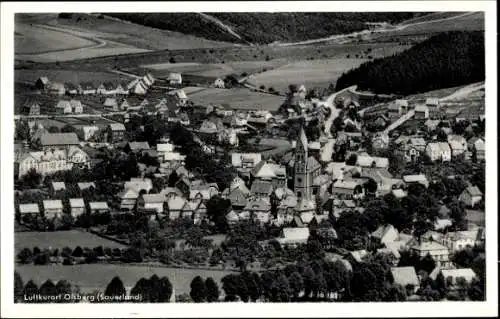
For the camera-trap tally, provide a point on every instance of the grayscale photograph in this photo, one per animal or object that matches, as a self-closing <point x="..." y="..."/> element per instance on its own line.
<point x="249" y="157"/>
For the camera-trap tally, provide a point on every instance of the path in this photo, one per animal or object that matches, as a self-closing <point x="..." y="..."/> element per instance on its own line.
<point x="463" y="92"/>
<point x="222" y="25"/>
<point x="379" y="30"/>
<point x="329" y="103"/>
<point x="400" y="121"/>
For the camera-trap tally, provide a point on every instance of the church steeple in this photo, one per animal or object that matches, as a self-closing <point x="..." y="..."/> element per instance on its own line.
<point x="301" y="178"/>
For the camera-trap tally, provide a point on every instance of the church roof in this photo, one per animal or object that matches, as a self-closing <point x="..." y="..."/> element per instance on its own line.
<point x="303" y="137"/>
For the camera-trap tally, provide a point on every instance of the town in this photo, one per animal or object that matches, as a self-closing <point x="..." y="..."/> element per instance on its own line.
<point x="331" y="195"/>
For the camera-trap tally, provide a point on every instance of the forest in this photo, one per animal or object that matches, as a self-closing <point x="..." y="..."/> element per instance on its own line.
<point x="444" y="60"/>
<point x="263" y="28"/>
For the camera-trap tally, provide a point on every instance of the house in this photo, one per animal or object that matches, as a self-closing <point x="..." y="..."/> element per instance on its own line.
<point x="397" y="109"/>
<point x="274" y="173"/>
<point x="406" y="277"/>
<point x="442" y="223"/>
<point x="128" y="199"/>
<point x="471" y="196"/>
<point x="292" y="237"/>
<point x="56" y="88"/>
<point x="174" y="78"/>
<point x="77" y="206"/>
<point x="219" y="83"/>
<point x="357" y="256"/>
<point x="87" y="132"/>
<point x="438" y="252"/>
<point x="42" y="83"/>
<point x="151" y="202"/>
<point x="179" y="98"/>
<point x="433" y="104"/>
<point x="238" y="198"/>
<point x="261" y="188"/>
<point x="52" y="208"/>
<point x="71" y="89"/>
<point x="124" y="105"/>
<point x="451" y="277"/>
<point x="245" y="161"/>
<point x="381" y="121"/>
<point x="76" y="106"/>
<point x="111" y="103"/>
<point x="116" y="132"/>
<point x="174" y="206"/>
<point x="63" y="107"/>
<point x="58" y="140"/>
<point x="137" y="147"/>
<point x="432" y="124"/>
<point x="418" y="143"/>
<point x="386" y="234"/>
<point x="98" y="207"/>
<point x="409" y="152"/>
<point x="438" y="151"/>
<point x="31" y="107"/>
<point x="372" y="161"/>
<point x="421" y="112"/>
<point x="139" y="184"/>
<point x="228" y="136"/>
<point x="57" y="186"/>
<point x="50" y="161"/>
<point x="31" y="209"/>
<point x="380" y="141"/>
<point x="477" y="146"/>
<point x="458" y="144"/>
<point x="232" y="218"/>
<point x="106" y="88"/>
<point x="85" y="185"/>
<point x="416" y="179"/>
<point x="137" y="87"/>
<point x="349" y="189"/>
<point x="460" y="240"/>
<point x="87" y="88"/>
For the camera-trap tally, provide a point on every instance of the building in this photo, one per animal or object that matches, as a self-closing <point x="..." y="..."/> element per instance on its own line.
<point x="380" y="141"/>
<point x="460" y="240"/>
<point x="50" y="161"/>
<point x="451" y="277"/>
<point x="111" y="103"/>
<point x="42" y="83"/>
<point x="306" y="168"/>
<point x="421" y="112"/>
<point x="433" y="105"/>
<point x="174" y="78"/>
<point x="137" y="147"/>
<point x="174" y="206"/>
<point x="56" y="88"/>
<point x="245" y="161"/>
<point x="87" y="132"/>
<point x="63" y="107"/>
<point x="57" y="186"/>
<point x="349" y="189"/>
<point x="219" y="83"/>
<point x="471" y="196"/>
<point x="30" y="209"/>
<point x="76" y="106"/>
<point x="137" y="87"/>
<point x="397" y="109"/>
<point x="31" y="107"/>
<point x="438" y="252"/>
<point x="477" y="146"/>
<point x="386" y="234"/>
<point x="77" y="206"/>
<point x="128" y="199"/>
<point x="99" y="207"/>
<point x="372" y="161"/>
<point x="58" y="140"/>
<point x="52" y="208"/>
<point x="409" y="152"/>
<point x="85" y="185"/>
<point x="116" y="132"/>
<point x="269" y="172"/>
<point x="293" y="236"/>
<point x="458" y="144"/>
<point x="416" y="179"/>
<point x="438" y="151"/>
<point x="406" y="277"/>
<point x="178" y="97"/>
<point x="151" y="202"/>
<point x="139" y="184"/>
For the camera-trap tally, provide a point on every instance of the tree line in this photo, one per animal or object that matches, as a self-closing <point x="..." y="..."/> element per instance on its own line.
<point x="444" y="60"/>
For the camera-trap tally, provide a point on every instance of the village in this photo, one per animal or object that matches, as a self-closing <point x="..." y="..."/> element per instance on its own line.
<point x="141" y="164"/>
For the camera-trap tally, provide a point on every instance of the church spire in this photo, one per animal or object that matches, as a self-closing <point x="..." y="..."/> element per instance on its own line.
<point x="302" y="139"/>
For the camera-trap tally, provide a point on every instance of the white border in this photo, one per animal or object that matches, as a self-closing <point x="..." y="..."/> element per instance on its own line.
<point x="451" y="309"/>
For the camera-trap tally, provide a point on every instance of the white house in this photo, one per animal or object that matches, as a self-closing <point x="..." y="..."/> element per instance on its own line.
<point x="386" y="234"/>
<point x="471" y="196"/>
<point x="293" y="236"/>
<point x="219" y="83"/>
<point x="174" y="78"/>
<point x="438" y="151"/>
<point x="458" y="144"/>
<point x="152" y="202"/>
<point x="77" y="206"/>
<point x="406" y="276"/>
<point x="52" y="208"/>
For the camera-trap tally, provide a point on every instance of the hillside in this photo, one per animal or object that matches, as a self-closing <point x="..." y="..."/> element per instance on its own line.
<point x="444" y="60"/>
<point x="262" y="28"/>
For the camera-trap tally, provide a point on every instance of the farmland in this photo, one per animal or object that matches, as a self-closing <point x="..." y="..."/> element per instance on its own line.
<point x="243" y="99"/>
<point x="92" y="277"/>
<point x="68" y="76"/>
<point x="310" y="73"/>
<point x="61" y="239"/>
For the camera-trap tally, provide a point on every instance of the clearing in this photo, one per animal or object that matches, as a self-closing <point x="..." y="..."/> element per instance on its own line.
<point x="61" y="239"/>
<point x="242" y="99"/>
<point x="92" y="277"/>
<point x="310" y="73"/>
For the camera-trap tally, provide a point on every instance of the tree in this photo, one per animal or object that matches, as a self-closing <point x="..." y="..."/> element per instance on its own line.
<point x="212" y="290"/>
<point x="427" y="263"/>
<point x="458" y="215"/>
<point x="18" y="287"/>
<point x="78" y="252"/>
<point x="280" y="289"/>
<point x="166" y="289"/>
<point x="198" y="292"/>
<point x="54" y="129"/>
<point x="25" y="256"/>
<point x="31" y="179"/>
<point x="30" y="289"/>
<point x="63" y="287"/>
<point x="115" y="288"/>
<point x="68" y="129"/>
<point x="48" y="289"/>
<point x="296" y="284"/>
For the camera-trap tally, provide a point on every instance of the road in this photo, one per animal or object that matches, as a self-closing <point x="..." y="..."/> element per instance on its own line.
<point x="222" y="25"/>
<point x="382" y="29"/>
<point x="329" y="103"/>
<point x="463" y="92"/>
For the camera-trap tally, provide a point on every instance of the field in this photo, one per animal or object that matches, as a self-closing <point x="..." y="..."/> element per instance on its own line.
<point x="60" y="239"/>
<point x="68" y="76"/>
<point x="310" y="73"/>
<point x="432" y="16"/>
<point x="97" y="276"/>
<point x="243" y="99"/>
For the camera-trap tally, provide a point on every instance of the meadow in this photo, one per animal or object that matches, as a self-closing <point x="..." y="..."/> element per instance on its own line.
<point x="92" y="277"/>
<point x="242" y="99"/>
<point x="68" y="76"/>
<point x="60" y="239"/>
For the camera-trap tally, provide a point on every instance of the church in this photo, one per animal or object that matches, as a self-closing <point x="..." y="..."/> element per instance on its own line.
<point x="305" y="168"/>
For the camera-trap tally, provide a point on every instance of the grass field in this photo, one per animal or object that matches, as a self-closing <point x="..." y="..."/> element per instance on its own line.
<point x="310" y="73"/>
<point x="432" y="16"/>
<point x="97" y="276"/>
<point x="68" y="76"/>
<point x="60" y="239"/>
<point x="243" y="99"/>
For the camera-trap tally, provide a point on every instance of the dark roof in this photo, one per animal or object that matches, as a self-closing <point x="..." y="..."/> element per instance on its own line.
<point x="261" y="187"/>
<point x="59" y="139"/>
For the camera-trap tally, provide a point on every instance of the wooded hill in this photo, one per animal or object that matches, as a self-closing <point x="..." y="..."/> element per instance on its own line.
<point x="262" y="28"/>
<point x="444" y="60"/>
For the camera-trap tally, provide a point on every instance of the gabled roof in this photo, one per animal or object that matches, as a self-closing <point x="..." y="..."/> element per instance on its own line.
<point x="43" y="79"/>
<point x="432" y="101"/>
<point x="110" y="102"/>
<point x="346" y="184"/>
<point x="295" y="233"/>
<point x="473" y="191"/>
<point x="63" y="104"/>
<point x="76" y="202"/>
<point x="176" y="203"/>
<point x="29" y="208"/>
<point x="428" y="246"/>
<point x="405" y="276"/>
<point x="421" y="108"/>
<point x="117" y="127"/>
<point x="138" y="146"/>
<point x="58" y="186"/>
<point x="467" y="273"/>
<point x="358" y="255"/>
<point x="305" y="205"/>
<point x="52" y="204"/>
<point x="98" y="205"/>
<point x="59" y="139"/>
<point x="153" y="198"/>
<point x="420" y="178"/>
<point x="257" y="205"/>
<point x="383" y="230"/>
<point x="237" y="197"/>
<point x="261" y="187"/>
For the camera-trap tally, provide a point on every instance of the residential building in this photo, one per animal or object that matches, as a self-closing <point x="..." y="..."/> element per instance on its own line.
<point x="76" y="106"/>
<point x="438" y="252"/>
<point x="128" y="198"/>
<point x="98" y="207"/>
<point x="56" y="88"/>
<point x="137" y="147"/>
<point x="477" y="146"/>
<point x="397" y="109"/>
<point x="139" y="184"/>
<point x="85" y="185"/>
<point x="365" y="160"/>
<point x="421" y="112"/>
<point x="111" y="103"/>
<point x="292" y="237"/>
<point x="58" y="140"/>
<point x="433" y="106"/>
<point x="174" y="206"/>
<point x="416" y="179"/>
<point x="57" y="186"/>
<point x="52" y="208"/>
<point x="386" y="234"/>
<point x="471" y="196"/>
<point x="219" y="83"/>
<point x="348" y="189"/>
<point x="137" y="87"/>
<point x="451" y="277"/>
<point x="151" y="202"/>
<point x="380" y="141"/>
<point x="30" y="209"/>
<point x="77" y="206"/>
<point x="460" y="240"/>
<point x="87" y="132"/>
<point x="116" y="132"/>
<point x="406" y="277"/>
<point x="269" y="172"/>
<point x="63" y="107"/>
<point x="179" y="98"/>
<point x="87" y="88"/>
<point x="42" y="83"/>
<point x="458" y="144"/>
<point x="438" y="151"/>
<point x="31" y="107"/>
<point x="174" y="78"/>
